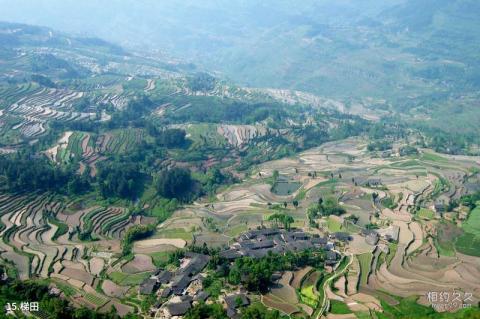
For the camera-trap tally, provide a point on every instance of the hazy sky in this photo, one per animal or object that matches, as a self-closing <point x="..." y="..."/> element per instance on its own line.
<point x="131" y="21"/>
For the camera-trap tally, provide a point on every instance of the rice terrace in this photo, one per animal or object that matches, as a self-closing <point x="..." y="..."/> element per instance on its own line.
<point x="188" y="159"/>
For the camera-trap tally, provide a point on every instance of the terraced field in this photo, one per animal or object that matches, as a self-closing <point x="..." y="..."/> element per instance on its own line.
<point x="469" y="242"/>
<point x="35" y="107"/>
<point x="283" y="296"/>
<point x="88" y="149"/>
<point x="412" y="266"/>
<point x="38" y="246"/>
<point x="40" y="236"/>
<point x="238" y="135"/>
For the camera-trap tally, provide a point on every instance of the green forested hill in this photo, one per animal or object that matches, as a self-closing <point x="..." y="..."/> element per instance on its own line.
<point x="420" y="56"/>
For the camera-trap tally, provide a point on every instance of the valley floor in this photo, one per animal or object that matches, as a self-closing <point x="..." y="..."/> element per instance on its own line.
<point x="395" y="249"/>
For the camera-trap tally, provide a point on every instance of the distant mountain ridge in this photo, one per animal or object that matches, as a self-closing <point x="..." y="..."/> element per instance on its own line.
<point x="345" y="48"/>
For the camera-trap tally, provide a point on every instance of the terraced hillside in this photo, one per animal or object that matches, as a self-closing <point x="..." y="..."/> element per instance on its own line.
<point x="87" y="149"/>
<point x="116" y="167"/>
<point x="40" y="236"/>
<point x="347" y="171"/>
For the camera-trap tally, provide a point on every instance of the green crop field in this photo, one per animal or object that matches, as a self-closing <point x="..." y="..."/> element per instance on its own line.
<point x="333" y="225"/>
<point x="392" y="249"/>
<point x="338" y="307"/>
<point x="159" y="258"/>
<point x="66" y="288"/>
<point x="235" y="231"/>
<point x="124" y="279"/>
<point x="205" y="135"/>
<point x="409" y="308"/>
<point x="433" y="158"/>
<point x="95" y="299"/>
<point x="445" y="248"/>
<point x="175" y="233"/>
<point x="472" y="224"/>
<point x="365" y="261"/>
<point x="307" y="296"/>
<point x="307" y="290"/>
<point x="425" y="213"/>
<point x="469" y="242"/>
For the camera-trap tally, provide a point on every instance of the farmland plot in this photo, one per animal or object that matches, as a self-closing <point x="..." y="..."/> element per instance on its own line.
<point x="44" y="105"/>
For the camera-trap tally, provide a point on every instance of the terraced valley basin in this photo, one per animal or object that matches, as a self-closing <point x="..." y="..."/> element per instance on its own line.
<point x="240" y="159"/>
<point x="406" y="248"/>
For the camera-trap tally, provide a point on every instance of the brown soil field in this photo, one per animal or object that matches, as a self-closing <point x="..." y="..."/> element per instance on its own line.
<point x="212" y="239"/>
<point x="283" y="290"/>
<point x="20" y="261"/>
<point x="121" y="309"/>
<point x="140" y="263"/>
<point x="272" y="302"/>
<point x="79" y="275"/>
<point x="111" y="289"/>
<point x="149" y="243"/>
<point x="416" y="229"/>
<point x="340" y="286"/>
<point x="96" y="265"/>
<point x="337" y="316"/>
<point x="298" y="276"/>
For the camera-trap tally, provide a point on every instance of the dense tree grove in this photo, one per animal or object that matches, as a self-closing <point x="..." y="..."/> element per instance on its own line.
<point x="256" y="274"/>
<point x="122" y="180"/>
<point x="216" y="311"/>
<point x="175" y="183"/>
<point x="408" y="150"/>
<point x="136" y="232"/>
<point x="470" y="200"/>
<point x="171" y="138"/>
<point x="216" y="110"/>
<point x="447" y="142"/>
<point x="258" y="311"/>
<point x="132" y="114"/>
<point x="379" y="145"/>
<point x="326" y="207"/>
<point x="314" y="136"/>
<point x="283" y="219"/>
<point x="27" y="172"/>
<point x="201" y="82"/>
<point x="204" y="311"/>
<point x="214" y="178"/>
<point x="43" y="80"/>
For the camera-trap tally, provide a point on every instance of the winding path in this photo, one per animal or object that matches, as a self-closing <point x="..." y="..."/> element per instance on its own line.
<point x="326" y="302"/>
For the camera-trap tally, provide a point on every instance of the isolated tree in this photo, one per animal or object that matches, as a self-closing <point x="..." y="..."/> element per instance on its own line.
<point x="274" y="218"/>
<point x="280" y="218"/>
<point x="287" y="221"/>
<point x="295" y="203"/>
<point x="275" y="175"/>
<point x="285" y="204"/>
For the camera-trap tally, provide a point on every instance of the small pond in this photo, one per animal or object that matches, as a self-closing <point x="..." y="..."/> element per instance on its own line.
<point x="284" y="187"/>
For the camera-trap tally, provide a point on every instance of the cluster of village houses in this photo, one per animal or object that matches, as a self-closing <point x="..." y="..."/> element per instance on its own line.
<point x="180" y="290"/>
